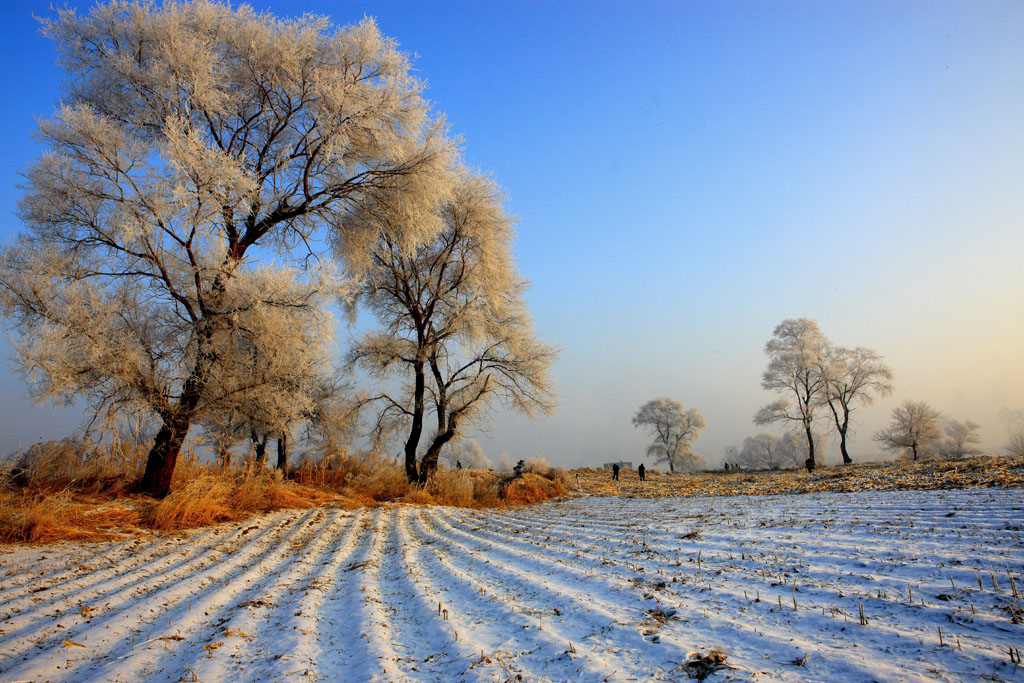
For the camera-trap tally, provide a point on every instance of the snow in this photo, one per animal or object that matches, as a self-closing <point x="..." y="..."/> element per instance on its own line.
<point x="589" y="589"/>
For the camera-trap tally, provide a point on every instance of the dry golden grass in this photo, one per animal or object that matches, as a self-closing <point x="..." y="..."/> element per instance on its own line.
<point x="42" y="518"/>
<point x="71" y="490"/>
<point x="229" y="496"/>
<point x="53" y="466"/>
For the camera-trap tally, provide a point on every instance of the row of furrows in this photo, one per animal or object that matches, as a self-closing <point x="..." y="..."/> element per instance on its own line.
<point x="818" y="589"/>
<point x="823" y="595"/>
<point x="184" y="596"/>
<point x="94" y="564"/>
<point x="158" y="562"/>
<point x="828" y="549"/>
<point x="508" y="615"/>
<point x="610" y="619"/>
<point x="275" y="634"/>
<point x="323" y="592"/>
<point x="230" y="621"/>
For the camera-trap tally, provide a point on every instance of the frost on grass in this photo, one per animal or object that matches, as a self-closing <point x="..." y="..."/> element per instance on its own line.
<point x="899" y="585"/>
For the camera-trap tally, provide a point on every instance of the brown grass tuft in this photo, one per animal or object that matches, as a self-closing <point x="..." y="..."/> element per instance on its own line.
<point x="59" y="517"/>
<point x="213" y="498"/>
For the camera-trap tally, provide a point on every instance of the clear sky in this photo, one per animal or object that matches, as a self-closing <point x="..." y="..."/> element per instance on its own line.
<point x="688" y="174"/>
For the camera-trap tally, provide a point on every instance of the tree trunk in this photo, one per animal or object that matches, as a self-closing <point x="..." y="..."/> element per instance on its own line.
<point x="260" y="447"/>
<point x="842" y="449"/>
<point x="282" y="453"/>
<point x="429" y="463"/>
<point x="162" y="458"/>
<point x="156" y="481"/>
<point x="810" y="446"/>
<point x="842" y="426"/>
<point x="412" y="443"/>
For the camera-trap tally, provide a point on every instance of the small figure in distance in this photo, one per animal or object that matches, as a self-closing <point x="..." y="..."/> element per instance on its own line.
<point x="615" y="472"/>
<point x="809" y="464"/>
<point x="726" y="467"/>
<point x="458" y="464"/>
<point x="642" y="471"/>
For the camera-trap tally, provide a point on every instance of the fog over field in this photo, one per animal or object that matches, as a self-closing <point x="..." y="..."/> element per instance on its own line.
<point x="685" y="176"/>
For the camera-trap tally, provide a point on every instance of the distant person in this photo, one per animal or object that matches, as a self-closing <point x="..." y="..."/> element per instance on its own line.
<point x="615" y="472"/>
<point x="642" y="471"/>
<point x="726" y="467"/>
<point x="458" y="464"/>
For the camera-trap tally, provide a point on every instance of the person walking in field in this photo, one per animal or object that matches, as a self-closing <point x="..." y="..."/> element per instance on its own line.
<point x="642" y="472"/>
<point x="615" y="472"/>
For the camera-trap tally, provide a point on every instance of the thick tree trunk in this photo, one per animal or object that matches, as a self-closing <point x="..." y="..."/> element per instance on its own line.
<point x="156" y="481"/>
<point x="429" y="463"/>
<point x="162" y="458"/>
<point x="413" y="442"/>
<point x="842" y="448"/>
<point x="282" y="453"/>
<point x="260" y="448"/>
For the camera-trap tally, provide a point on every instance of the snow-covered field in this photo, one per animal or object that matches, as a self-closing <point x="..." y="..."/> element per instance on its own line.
<point x="589" y="589"/>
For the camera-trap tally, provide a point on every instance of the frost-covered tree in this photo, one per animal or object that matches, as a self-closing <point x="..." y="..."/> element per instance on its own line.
<point x="961" y="439"/>
<point x="1014" y="420"/>
<point x="469" y="454"/>
<point x="674" y="429"/>
<point x="192" y="134"/>
<point x="796" y="353"/>
<point x="913" y="432"/>
<point x="454" y="326"/>
<point x="771" y="452"/>
<point x="852" y="377"/>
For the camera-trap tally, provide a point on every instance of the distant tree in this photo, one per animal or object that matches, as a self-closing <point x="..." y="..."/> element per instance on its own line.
<point x="770" y="452"/>
<point x="454" y="324"/>
<point x="913" y="432"/>
<point x="796" y="353"/>
<point x="852" y="377"/>
<point x="674" y="430"/>
<point x="470" y="454"/>
<point x="193" y="137"/>
<point x="1014" y="420"/>
<point x="961" y="440"/>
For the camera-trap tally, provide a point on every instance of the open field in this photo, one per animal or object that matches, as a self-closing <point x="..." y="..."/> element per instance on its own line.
<point x="586" y="589"/>
<point x="952" y="473"/>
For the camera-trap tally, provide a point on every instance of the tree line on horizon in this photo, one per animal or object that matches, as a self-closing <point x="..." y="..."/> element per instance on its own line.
<point x="819" y="381"/>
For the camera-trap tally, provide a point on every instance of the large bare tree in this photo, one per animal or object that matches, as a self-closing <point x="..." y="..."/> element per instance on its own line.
<point x="192" y="134"/>
<point x="674" y="429"/>
<point x="795" y="367"/>
<point x="455" y="329"/>
<point x="852" y="377"/>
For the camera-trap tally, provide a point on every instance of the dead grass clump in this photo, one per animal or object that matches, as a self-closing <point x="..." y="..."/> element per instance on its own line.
<point x="388" y="482"/>
<point x="531" y="488"/>
<point x="76" y="464"/>
<point x="342" y="469"/>
<point x="39" y="518"/>
<point x="222" y="497"/>
<point x="540" y="466"/>
<point x="452" y="488"/>
<point x="700" y="666"/>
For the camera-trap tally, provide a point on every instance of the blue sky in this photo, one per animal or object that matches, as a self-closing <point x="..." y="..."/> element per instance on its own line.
<point x="687" y="175"/>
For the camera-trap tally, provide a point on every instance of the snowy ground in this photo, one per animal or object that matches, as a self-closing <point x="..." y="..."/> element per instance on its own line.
<point x="590" y="589"/>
